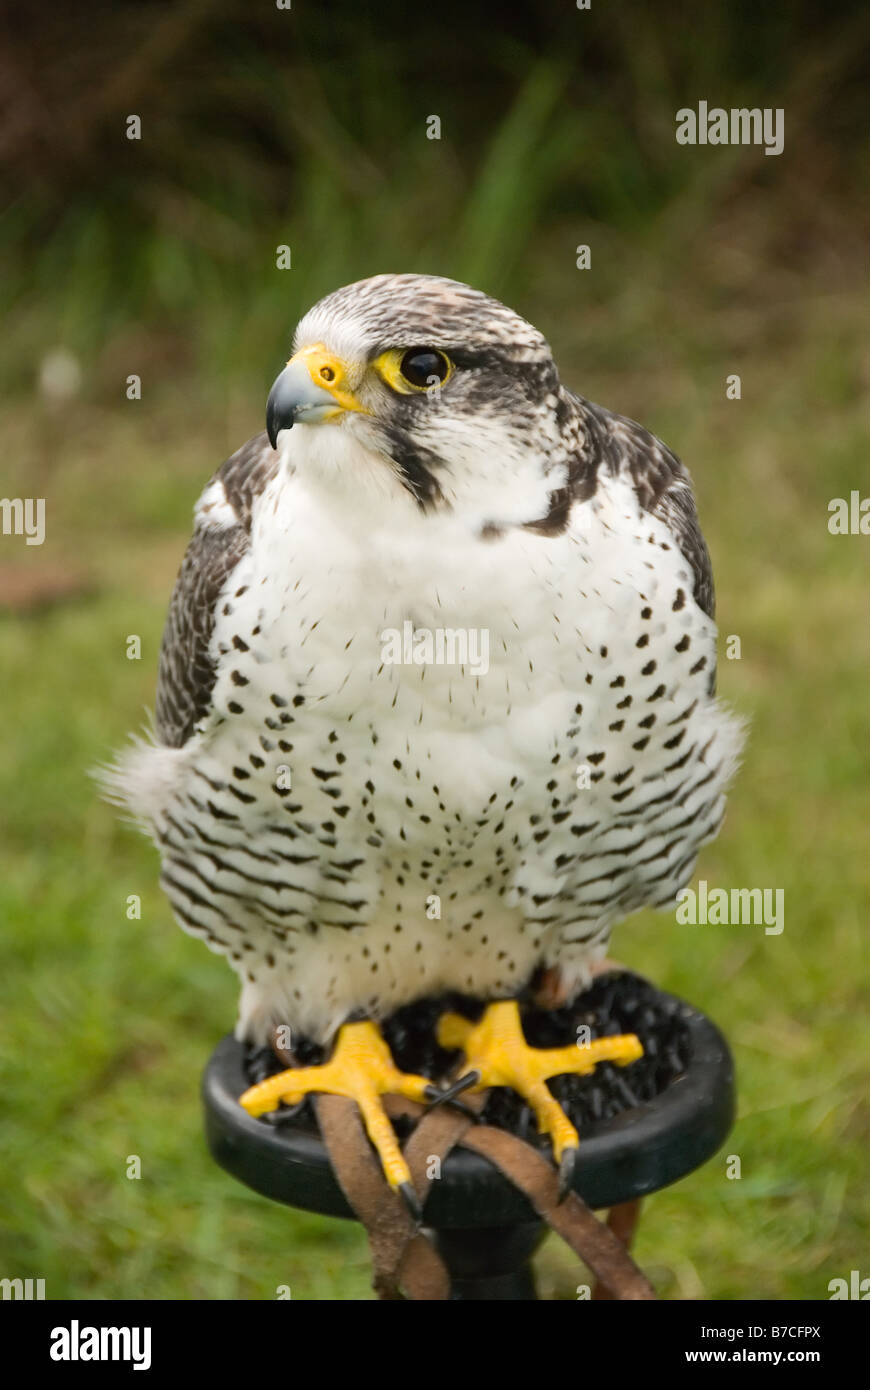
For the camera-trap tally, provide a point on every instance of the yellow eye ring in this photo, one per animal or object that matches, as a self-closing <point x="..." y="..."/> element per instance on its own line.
<point x="414" y="371"/>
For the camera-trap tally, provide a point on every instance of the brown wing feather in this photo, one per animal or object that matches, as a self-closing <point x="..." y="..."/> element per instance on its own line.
<point x="186" y="673"/>
<point x="663" y="487"/>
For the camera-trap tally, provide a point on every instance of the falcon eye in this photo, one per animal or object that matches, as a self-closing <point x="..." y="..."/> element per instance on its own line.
<point x="424" y="368"/>
<point x="411" y="370"/>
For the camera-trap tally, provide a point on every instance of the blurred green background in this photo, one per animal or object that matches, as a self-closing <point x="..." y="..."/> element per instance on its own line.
<point x="157" y="257"/>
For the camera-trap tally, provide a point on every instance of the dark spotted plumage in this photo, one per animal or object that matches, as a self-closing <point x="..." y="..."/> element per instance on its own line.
<point x="355" y="829"/>
<point x="662" y="486"/>
<point x="187" y="669"/>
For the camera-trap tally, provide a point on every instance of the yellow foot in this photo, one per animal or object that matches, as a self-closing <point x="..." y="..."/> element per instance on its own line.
<point x="362" y="1069"/>
<point x="497" y="1054"/>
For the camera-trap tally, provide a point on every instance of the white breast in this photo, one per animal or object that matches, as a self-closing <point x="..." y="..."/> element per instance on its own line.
<point x="415" y="780"/>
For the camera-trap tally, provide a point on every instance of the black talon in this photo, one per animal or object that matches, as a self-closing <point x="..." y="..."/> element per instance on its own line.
<point x="567" y="1169"/>
<point x="459" y="1105"/>
<point x="286" y="1113"/>
<point x="448" y="1096"/>
<point x="412" y="1202"/>
<point x="456" y="1088"/>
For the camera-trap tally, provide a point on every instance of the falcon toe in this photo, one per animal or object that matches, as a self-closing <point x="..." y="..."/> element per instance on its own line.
<point x="497" y="1054"/>
<point x="361" y="1068"/>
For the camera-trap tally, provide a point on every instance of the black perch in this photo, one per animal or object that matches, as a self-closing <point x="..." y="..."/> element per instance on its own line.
<point x="641" y="1127"/>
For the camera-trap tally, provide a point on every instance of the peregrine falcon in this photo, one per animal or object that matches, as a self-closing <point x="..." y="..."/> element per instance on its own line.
<point x="349" y="808"/>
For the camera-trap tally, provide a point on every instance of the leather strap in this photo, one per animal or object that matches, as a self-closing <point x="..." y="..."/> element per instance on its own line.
<point x="404" y="1261"/>
<point x="576" y="1223"/>
<point x="399" y="1251"/>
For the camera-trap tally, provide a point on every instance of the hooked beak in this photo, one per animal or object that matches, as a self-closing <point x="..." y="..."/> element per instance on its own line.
<point x="312" y="387"/>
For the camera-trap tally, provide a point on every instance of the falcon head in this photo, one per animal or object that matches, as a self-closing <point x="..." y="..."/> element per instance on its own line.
<point x="415" y="386"/>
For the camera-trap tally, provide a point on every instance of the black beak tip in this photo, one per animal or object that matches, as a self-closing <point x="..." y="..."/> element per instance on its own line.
<point x="278" y="417"/>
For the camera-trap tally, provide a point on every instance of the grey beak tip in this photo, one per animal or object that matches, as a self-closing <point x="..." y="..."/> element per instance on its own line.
<point x="278" y="416"/>
<point x="294" y="397"/>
